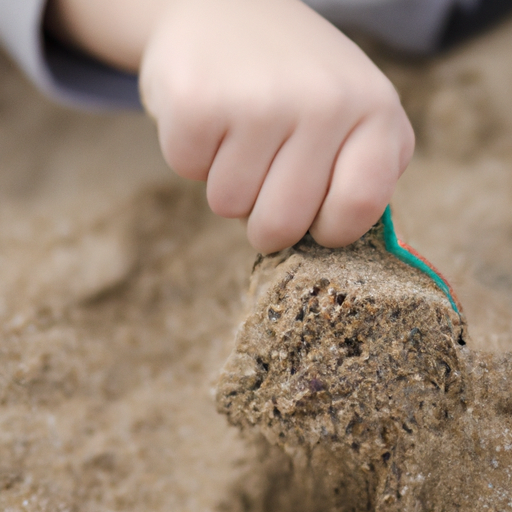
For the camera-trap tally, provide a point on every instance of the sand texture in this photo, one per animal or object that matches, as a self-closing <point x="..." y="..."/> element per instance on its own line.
<point x="120" y="295"/>
<point x="358" y="367"/>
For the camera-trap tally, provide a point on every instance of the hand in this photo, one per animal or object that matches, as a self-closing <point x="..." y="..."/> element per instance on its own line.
<point x="288" y="121"/>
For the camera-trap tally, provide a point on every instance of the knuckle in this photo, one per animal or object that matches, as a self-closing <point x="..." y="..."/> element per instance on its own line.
<point x="386" y="97"/>
<point x="179" y="158"/>
<point x="257" y="106"/>
<point x="334" y="96"/>
<point x="191" y="104"/>
<point x="409" y="142"/>
<point x="190" y="96"/>
<point x="262" y="104"/>
<point x="328" y="102"/>
<point x="186" y="127"/>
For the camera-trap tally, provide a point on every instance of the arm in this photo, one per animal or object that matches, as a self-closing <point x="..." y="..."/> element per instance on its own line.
<point x="113" y="31"/>
<point x="287" y="120"/>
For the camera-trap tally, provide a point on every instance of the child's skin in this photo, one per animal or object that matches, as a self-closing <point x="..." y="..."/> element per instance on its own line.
<point x="289" y="122"/>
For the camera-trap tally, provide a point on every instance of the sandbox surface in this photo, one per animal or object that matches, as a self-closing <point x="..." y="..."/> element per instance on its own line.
<point x="120" y="292"/>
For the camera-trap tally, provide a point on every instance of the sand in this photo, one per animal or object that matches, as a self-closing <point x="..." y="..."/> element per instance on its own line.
<point x="120" y="292"/>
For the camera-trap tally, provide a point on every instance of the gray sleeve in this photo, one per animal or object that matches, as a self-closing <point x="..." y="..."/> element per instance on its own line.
<point x="411" y="25"/>
<point x="64" y="75"/>
<point x="75" y="79"/>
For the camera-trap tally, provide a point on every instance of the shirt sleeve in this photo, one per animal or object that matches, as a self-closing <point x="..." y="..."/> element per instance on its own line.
<point x="413" y="26"/>
<point x="66" y="76"/>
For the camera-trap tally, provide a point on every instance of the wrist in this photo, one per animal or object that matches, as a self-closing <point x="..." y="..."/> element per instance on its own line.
<point x="113" y="31"/>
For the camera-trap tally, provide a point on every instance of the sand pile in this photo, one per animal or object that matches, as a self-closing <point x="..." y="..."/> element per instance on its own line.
<point x="359" y="367"/>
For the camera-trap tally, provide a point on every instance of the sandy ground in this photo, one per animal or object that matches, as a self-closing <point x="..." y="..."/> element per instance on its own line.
<point x="120" y="292"/>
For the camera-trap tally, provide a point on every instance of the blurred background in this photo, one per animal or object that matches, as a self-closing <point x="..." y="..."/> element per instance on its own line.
<point x="120" y="292"/>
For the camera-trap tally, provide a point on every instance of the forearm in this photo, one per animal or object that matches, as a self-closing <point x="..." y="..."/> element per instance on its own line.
<point x="114" y="31"/>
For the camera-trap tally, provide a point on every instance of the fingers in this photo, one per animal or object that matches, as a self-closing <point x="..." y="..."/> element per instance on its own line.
<point x="241" y="163"/>
<point x="290" y="176"/>
<point x="369" y="164"/>
<point x="293" y="189"/>
<point x="295" y="137"/>
<point x="332" y="178"/>
<point x="190" y="134"/>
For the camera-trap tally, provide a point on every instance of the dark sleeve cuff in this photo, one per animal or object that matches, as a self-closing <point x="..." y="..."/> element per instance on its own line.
<point x="66" y="76"/>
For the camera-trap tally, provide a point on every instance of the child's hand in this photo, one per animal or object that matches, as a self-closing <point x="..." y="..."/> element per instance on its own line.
<point x="287" y="120"/>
